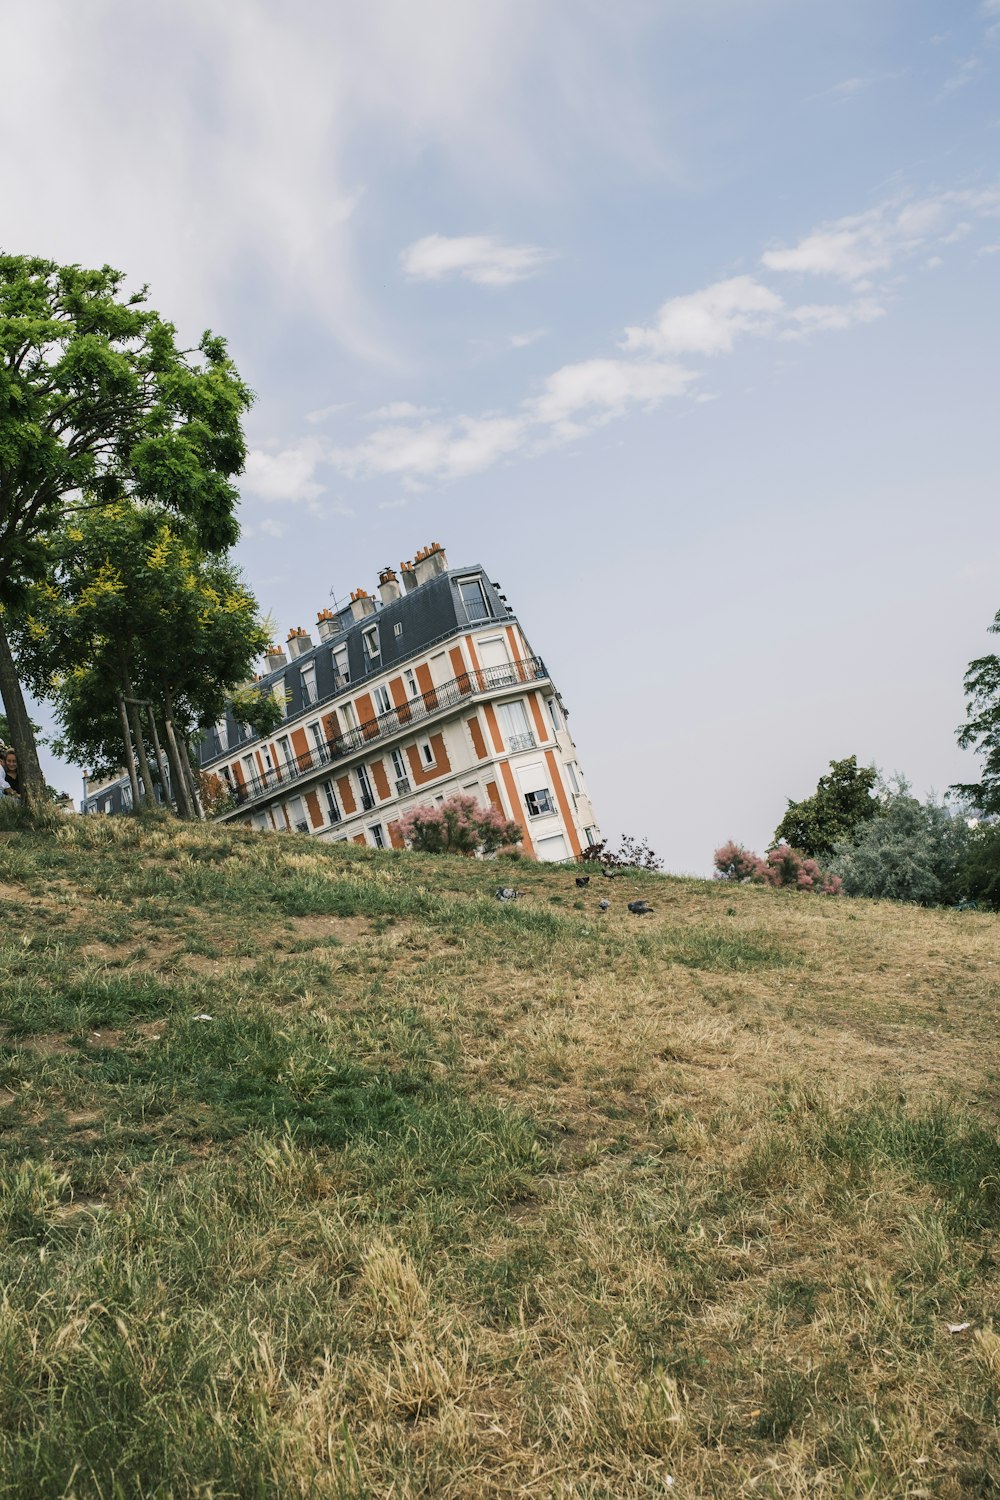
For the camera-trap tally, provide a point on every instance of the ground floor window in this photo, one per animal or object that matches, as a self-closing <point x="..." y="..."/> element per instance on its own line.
<point x="378" y="835"/>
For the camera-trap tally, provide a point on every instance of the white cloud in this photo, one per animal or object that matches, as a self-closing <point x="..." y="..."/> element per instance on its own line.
<point x="822" y="317"/>
<point x="398" y="411"/>
<point x="324" y="412"/>
<point x="708" y="321"/>
<point x="285" y="475"/>
<point x="854" y="249"/>
<point x="522" y="340"/>
<point x="435" y="450"/>
<point x="963" y="75"/>
<point x="603" y="388"/>
<point x="475" y="257"/>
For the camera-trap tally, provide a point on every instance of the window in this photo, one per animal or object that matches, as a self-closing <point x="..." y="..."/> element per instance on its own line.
<point x="318" y="738"/>
<point x="539" y="802"/>
<point x="412" y="691"/>
<point x="398" y="764"/>
<point x="591" y="835"/>
<point x="397" y="629"/>
<point x="427" y="753"/>
<point x="571" y="773"/>
<point x="383" y="703"/>
<point x="309" y="694"/>
<point x="474" y="599"/>
<point x="127" y="798"/>
<point x="249" y="769"/>
<point x="365" y="786"/>
<point x="341" y="665"/>
<point x="286" y="751"/>
<point x="227" y="776"/>
<point x="370" y="638"/>
<point x="332" y="805"/>
<point x="259" y="822"/>
<point x="278" y="689"/>
<point x="514" y="723"/>
<point x="297" y="815"/>
<point x="222" y="734"/>
<point x="350" y="717"/>
<point x="551" y="705"/>
<point x="378" y="835"/>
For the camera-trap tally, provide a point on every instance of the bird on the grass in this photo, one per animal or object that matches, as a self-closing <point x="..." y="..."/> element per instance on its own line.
<point x="507" y="893"/>
<point x="608" y="874"/>
<point x="640" y="908"/>
<point x="582" y="880"/>
<point x="604" y="903"/>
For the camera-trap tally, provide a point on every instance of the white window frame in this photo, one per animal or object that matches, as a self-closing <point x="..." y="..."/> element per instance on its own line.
<point x="364" y="782"/>
<point x="474" y="581"/>
<point x="370" y="639"/>
<point x="554" y="714"/>
<point x="412" y="689"/>
<point x="399" y="765"/>
<point x="516" y="739"/>
<point x="378" y="836"/>
<point x="318" y="737"/>
<point x="574" y="780"/>
<point x="381" y="699"/>
<point x="341" y="662"/>
<point x="427" y="756"/>
<point x="332" y="805"/>
<point x="310" y="692"/>
<point x="538" y="811"/>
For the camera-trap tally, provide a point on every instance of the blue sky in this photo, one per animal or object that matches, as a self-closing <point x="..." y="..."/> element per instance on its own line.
<point x="680" y="317"/>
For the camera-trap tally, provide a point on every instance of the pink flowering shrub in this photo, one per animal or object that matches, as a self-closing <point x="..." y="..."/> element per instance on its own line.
<point x="457" y="826"/>
<point x="733" y="862"/>
<point x="783" y="868"/>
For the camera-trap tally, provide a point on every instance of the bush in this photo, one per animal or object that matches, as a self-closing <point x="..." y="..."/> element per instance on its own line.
<point x="783" y="867"/>
<point x="916" y="851"/>
<point x="631" y="854"/>
<point x="457" y="826"/>
<point x="979" y="873"/>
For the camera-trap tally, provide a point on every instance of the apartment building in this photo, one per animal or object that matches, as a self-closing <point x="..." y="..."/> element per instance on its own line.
<point x="427" y="689"/>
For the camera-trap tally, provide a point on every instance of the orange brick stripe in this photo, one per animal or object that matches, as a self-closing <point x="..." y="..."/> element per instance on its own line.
<point x="380" y="779"/>
<point x="346" y="795"/>
<point x="563" y="801"/>
<point x="543" y="733"/>
<point x="494" y="728"/>
<point x="478" y="743"/>
<point x="315" y="816"/>
<point x="515" y="802"/>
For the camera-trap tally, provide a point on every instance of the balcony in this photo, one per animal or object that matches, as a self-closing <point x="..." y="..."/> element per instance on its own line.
<point x="524" y="741"/>
<point x="397" y="721"/>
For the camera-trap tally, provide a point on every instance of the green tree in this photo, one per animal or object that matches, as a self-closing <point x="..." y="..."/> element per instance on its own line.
<point x="981" y="731"/>
<point x="98" y="403"/>
<point x="915" y="851"/>
<point x="841" y="801"/>
<point x="132" y="612"/>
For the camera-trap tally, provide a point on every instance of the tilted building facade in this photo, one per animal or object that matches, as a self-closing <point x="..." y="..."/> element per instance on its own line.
<point x="431" y="688"/>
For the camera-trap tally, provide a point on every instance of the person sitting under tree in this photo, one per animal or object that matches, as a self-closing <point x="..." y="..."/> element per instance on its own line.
<point x="11" y="786"/>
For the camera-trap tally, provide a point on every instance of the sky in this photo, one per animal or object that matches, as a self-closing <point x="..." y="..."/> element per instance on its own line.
<point x="680" y="317"/>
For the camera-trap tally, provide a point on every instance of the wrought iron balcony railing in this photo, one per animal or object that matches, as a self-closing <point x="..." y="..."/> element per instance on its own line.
<point x="397" y="721"/>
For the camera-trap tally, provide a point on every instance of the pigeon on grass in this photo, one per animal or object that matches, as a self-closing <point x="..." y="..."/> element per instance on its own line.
<point x="507" y="893"/>
<point x="582" y="880"/>
<point x="604" y="904"/>
<point x="608" y="874"/>
<point x="640" y="908"/>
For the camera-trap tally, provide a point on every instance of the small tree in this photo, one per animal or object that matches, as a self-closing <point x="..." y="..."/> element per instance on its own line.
<point x="783" y="868"/>
<point x="981" y="731"/>
<point x="458" y="825"/>
<point x="842" y="800"/>
<point x="733" y="862"/>
<point x="916" y="851"/>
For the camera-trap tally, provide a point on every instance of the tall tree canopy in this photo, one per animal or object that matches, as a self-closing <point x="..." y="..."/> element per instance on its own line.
<point x="842" y="799"/>
<point x="981" y="731"/>
<point x="131" y="609"/>
<point x="99" y="404"/>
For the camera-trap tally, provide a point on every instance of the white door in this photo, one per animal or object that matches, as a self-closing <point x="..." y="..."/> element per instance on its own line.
<point x="551" y="848"/>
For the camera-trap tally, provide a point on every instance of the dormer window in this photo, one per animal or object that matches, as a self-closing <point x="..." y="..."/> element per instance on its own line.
<point x="341" y="664"/>
<point x="309" y="683"/>
<point x="370" y="638"/>
<point x="474" y="598"/>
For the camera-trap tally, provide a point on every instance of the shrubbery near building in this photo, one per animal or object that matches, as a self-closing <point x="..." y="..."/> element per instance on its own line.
<point x="782" y="867"/>
<point x="458" y="825"/>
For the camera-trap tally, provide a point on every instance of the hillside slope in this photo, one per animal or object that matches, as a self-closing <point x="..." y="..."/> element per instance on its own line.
<point x="326" y="1174"/>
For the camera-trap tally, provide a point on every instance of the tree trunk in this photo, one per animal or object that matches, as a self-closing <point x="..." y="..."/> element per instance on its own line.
<point x="29" y="772"/>
<point x="193" y="781"/>
<point x="177" y="777"/>
<point x="160" y="761"/>
<point x="129" y="756"/>
<point x="140" y="746"/>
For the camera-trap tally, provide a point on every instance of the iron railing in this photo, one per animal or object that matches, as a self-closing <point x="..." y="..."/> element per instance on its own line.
<point x="385" y="726"/>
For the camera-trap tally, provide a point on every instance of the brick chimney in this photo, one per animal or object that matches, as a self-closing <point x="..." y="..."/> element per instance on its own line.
<point x="388" y="585"/>
<point x="409" y="576"/>
<point x="327" y="624"/>
<point x="274" y="659"/>
<point x="362" y="604"/>
<point x="429" y="562"/>
<point x="299" y="641"/>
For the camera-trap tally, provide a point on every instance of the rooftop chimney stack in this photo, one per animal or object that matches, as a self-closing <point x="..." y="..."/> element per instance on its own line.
<point x="274" y="659"/>
<point x="299" y="642"/>
<point x="362" y="604"/>
<point x="388" y="586"/>
<point x="327" y="624"/>
<point x="409" y="577"/>
<point x="429" y="562"/>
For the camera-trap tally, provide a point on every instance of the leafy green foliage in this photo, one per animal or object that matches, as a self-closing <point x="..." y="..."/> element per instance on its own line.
<point x="981" y="731"/>
<point x="842" y="799"/>
<point x="980" y="867"/>
<point x="914" y="851"/>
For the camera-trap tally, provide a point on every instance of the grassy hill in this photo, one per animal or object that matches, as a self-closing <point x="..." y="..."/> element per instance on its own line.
<point x="326" y="1174"/>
